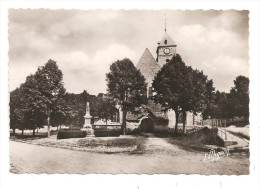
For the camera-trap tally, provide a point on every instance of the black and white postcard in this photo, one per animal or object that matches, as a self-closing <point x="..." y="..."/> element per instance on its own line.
<point x="154" y="91"/>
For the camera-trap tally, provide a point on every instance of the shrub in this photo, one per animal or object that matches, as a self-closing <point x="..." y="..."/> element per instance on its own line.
<point x="71" y="133"/>
<point x="73" y="127"/>
<point x="136" y="131"/>
<point x="112" y="142"/>
<point x="107" y="132"/>
<point x="162" y="121"/>
<point x="147" y="125"/>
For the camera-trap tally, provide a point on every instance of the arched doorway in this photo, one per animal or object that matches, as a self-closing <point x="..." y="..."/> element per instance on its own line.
<point x="147" y="125"/>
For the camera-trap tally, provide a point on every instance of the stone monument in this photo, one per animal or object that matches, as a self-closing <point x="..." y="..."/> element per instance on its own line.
<point x="120" y="113"/>
<point x="87" y="125"/>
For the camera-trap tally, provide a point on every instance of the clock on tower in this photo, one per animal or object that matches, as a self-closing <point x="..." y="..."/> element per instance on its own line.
<point x="166" y="49"/>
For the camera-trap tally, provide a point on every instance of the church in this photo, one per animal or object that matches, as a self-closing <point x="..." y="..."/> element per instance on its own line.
<point x="149" y="67"/>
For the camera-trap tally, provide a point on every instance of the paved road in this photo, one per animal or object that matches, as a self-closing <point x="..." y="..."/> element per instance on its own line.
<point x="28" y="158"/>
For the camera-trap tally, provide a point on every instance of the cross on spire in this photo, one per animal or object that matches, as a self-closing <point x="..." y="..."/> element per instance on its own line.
<point x="165" y="22"/>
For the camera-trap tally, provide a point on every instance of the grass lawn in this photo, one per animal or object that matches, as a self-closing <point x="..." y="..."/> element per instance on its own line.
<point x="93" y="144"/>
<point x="201" y="139"/>
<point x="239" y="131"/>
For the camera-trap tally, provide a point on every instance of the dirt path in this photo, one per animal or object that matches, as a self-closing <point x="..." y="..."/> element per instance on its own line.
<point x="161" y="146"/>
<point x="27" y="158"/>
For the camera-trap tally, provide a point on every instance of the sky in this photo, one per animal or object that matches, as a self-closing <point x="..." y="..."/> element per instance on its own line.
<point x="84" y="43"/>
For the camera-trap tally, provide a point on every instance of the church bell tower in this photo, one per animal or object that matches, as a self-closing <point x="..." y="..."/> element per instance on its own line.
<point x="166" y="49"/>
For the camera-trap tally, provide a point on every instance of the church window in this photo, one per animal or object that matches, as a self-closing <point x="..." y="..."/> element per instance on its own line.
<point x="165" y="41"/>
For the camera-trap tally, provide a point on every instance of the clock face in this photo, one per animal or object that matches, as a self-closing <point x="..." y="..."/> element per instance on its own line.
<point x="166" y="51"/>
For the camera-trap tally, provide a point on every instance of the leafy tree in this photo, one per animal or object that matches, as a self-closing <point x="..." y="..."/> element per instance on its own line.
<point x="76" y="106"/>
<point x="106" y="108"/>
<point x="234" y="103"/>
<point x="44" y="90"/>
<point x="34" y="119"/>
<point x="196" y="94"/>
<point x="170" y="84"/>
<point x="25" y="112"/>
<point x="127" y="86"/>
<point x="239" y="96"/>
<point x="82" y="99"/>
<point x="219" y="105"/>
<point x="31" y="105"/>
<point x="16" y="110"/>
<point x="180" y="88"/>
<point x="57" y="118"/>
<point x="210" y="99"/>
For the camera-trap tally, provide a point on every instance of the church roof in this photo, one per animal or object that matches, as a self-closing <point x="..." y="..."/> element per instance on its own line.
<point x="152" y="108"/>
<point x="166" y="41"/>
<point x="148" y="66"/>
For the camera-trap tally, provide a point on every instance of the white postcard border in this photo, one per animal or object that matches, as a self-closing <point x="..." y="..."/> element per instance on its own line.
<point x="9" y="180"/>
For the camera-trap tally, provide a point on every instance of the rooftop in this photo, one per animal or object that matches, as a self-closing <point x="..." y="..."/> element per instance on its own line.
<point x="148" y="66"/>
<point x="166" y="41"/>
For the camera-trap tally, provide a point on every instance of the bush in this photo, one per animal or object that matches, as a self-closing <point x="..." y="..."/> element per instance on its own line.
<point x="147" y="125"/>
<point x="71" y="133"/>
<point x="136" y="131"/>
<point x="112" y="142"/>
<point x="107" y="132"/>
<point x="161" y="121"/>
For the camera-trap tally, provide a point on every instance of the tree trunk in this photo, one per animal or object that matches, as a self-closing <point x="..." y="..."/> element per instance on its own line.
<point x="48" y="122"/>
<point x="176" y="121"/>
<point x="14" y="131"/>
<point x="22" y="131"/>
<point x="184" y="121"/>
<point x="33" y="131"/>
<point x="123" y="128"/>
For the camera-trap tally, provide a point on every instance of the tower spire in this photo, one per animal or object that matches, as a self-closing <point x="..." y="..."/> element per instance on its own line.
<point x="165" y="22"/>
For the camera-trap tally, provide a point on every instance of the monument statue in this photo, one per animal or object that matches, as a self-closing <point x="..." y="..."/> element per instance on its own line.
<point x="87" y="125"/>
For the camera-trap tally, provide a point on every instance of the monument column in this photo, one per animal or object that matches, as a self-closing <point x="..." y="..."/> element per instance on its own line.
<point x="87" y="125"/>
<point x="120" y="113"/>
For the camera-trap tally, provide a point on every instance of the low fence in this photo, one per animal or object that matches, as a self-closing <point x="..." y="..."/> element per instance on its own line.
<point x="223" y="134"/>
<point x="215" y="123"/>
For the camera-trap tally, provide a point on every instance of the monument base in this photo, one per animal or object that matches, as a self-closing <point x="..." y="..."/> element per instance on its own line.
<point x="89" y="130"/>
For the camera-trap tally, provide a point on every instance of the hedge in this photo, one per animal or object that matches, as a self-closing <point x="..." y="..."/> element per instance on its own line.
<point x="68" y="133"/>
<point x="107" y="132"/>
